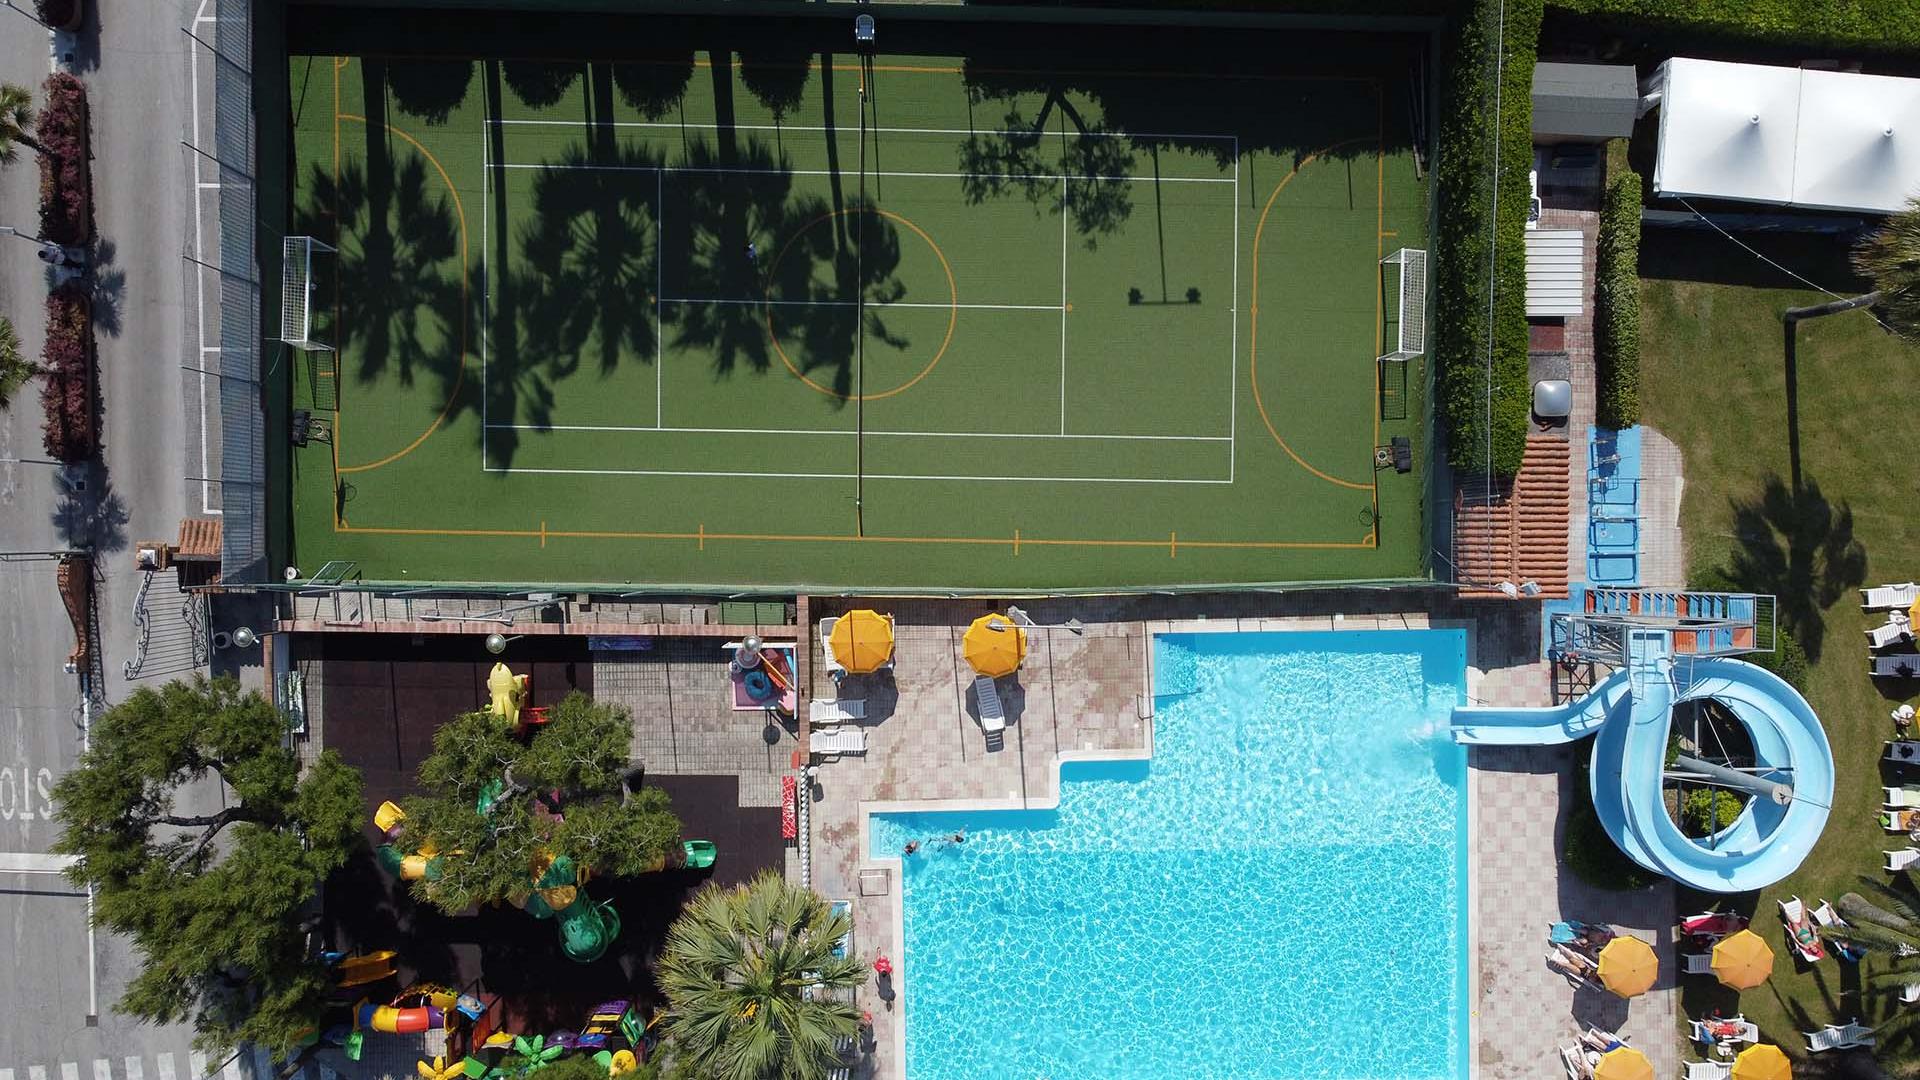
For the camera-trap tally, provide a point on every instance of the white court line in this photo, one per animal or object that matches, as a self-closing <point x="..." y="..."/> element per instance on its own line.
<point x="162" y="1064"/>
<point x="1063" y="287"/>
<point x="659" y="290"/>
<point x="199" y="271"/>
<point x="870" y="432"/>
<point x="486" y="283"/>
<point x="852" y="303"/>
<point x="726" y="169"/>
<point x="852" y="476"/>
<point x="881" y="130"/>
<point x="197" y="1065"/>
<point x="1233" y="309"/>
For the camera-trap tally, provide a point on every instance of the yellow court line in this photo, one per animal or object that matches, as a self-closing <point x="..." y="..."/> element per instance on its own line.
<point x="1253" y="335"/>
<point x="460" y="373"/>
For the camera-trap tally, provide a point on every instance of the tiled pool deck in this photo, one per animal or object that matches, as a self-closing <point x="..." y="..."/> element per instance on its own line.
<point x="1088" y="694"/>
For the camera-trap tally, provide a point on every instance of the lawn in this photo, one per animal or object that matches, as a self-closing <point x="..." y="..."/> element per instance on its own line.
<point x="1800" y="482"/>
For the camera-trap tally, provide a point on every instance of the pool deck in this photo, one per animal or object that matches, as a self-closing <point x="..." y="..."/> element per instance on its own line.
<point x="1088" y="695"/>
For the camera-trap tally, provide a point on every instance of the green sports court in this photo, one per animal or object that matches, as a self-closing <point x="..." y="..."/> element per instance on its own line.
<point x="912" y="322"/>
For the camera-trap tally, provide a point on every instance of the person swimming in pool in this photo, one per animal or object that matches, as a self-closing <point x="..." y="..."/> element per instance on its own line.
<point x="912" y="846"/>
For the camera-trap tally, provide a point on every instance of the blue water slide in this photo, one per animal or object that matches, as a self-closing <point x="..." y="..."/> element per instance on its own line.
<point x="1487" y="726"/>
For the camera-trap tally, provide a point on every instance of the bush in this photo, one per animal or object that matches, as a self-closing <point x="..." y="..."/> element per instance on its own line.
<point x="1865" y="24"/>
<point x="66" y="394"/>
<point x="1616" y="324"/>
<point x="1592" y="855"/>
<point x="1788" y="659"/>
<point x="1464" y="241"/>
<point x="66" y="192"/>
<point x="1707" y="811"/>
<point x="60" y="14"/>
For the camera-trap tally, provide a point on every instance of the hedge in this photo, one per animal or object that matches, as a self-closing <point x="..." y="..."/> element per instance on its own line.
<point x="1879" y="25"/>
<point x="1616" y="324"/>
<point x="66" y="394"/>
<point x="66" y="194"/>
<point x="1709" y="810"/>
<point x="1466" y="228"/>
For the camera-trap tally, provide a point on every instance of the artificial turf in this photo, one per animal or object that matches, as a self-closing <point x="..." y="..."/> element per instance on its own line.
<point x="932" y="323"/>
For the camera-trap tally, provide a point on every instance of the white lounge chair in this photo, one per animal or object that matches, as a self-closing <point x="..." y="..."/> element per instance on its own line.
<point x="1825" y="916"/>
<point x="1892" y="633"/>
<point x="1903" y="798"/>
<point x="1696" y="964"/>
<point x="1910" y="994"/>
<point x="1903" y="752"/>
<point x="1900" y="860"/>
<point x="1883" y="597"/>
<point x="1839" y="1037"/>
<point x="1600" y="1040"/>
<point x="1709" y="1070"/>
<point x="1743" y="1031"/>
<point x="1575" y="1060"/>
<point x="831" y="711"/>
<point x="993" y="716"/>
<point x="835" y="741"/>
<point x="835" y="669"/>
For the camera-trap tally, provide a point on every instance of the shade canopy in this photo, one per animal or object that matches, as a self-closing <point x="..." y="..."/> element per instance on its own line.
<point x="1623" y="1063"/>
<point x="1762" y="1061"/>
<point x="1743" y="960"/>
<point x="994" y="645"/>
<point x="862" y="640"/>
<point x="1832" y="140"/>
<point x="1628" y="966"/>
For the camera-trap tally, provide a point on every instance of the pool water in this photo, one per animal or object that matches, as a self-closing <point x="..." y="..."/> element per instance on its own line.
<point x="1277" y="895"/>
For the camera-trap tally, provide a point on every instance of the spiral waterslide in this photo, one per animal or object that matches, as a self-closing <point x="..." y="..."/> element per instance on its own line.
<point x="1629" y="715"/>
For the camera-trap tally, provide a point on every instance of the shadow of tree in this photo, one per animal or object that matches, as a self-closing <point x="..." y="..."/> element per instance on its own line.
<point x="1793" y="543"/>
<point x="819" y="312"/>
<point x="430" y="89"/>
<point x="94" y="516"/>
<point x="654" y="86"/>
<point x="777" y="76"/>
<point x="1019" y="158"/>
<point x="109" y="289"/>
<point x="540" y="83"/>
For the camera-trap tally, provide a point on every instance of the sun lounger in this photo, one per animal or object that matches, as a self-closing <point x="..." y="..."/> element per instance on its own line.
<point x="1889" y="635"/>
<point x="1825" y="916"/>
<point x="1904" y="752"/>
<point x="835" y="741"/>
<point x="1839" y="1037"/>
<point x="835" y="669"/>
<point x="1884" y="597"/>
<point x="834" y="712"/>
<point x="1709" y="1070"/>
<point x="1696" y="964"/>
<point x="1577" y="1065"/>
<point x="1599" y="1040"/>
<point x="1902" y="859"/>
<point x="1896" y="820"/>
<point x="993" y="716"/>
<point x="1910" y="993"/>
<point x="843" y="948"/>
<point x="1895" y="666"/>
<point x="1902" y="798"/>
<point x="1713" y="925"/>
<point x="1802" y="934"/>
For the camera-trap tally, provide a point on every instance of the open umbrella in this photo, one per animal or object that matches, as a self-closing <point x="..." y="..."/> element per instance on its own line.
<point x="1743" y="960"/>
<point x="994" y="646"/>
<point x="1623" y="1063"/>
<point x="1628" y="966"/>
<point x="1762" y="1061"/>
<point x="862" y="640"/>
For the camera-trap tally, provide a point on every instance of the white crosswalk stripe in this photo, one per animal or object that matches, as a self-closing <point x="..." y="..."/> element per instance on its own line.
<point x="134" y="1071"/>
<point x="102" y="1069"/>
<point x="6" y="1074"/>
<point x="162" y="1063"/>
<point x="37" y="1072"/>
<point x="69" y="1071"/>
<point x="231" y="1070"/>
<point x="197" y="1065"/>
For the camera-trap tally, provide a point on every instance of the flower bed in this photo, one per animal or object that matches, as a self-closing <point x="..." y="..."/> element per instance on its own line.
<point x="66" y="392"/>
<point x="66" y="189"/>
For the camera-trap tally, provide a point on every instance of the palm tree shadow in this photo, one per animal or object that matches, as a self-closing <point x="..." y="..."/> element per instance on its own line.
<point x="1021" y="158"/>
<point x="1793" y="543"/>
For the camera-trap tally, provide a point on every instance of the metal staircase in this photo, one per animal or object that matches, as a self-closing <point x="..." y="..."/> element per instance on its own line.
<point x="1699" y="623"/>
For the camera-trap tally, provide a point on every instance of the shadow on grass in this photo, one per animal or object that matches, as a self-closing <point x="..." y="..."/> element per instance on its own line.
<point x="655" y="85"/>
<point x="1793" y="543"/>
<point x="430" y="89"/>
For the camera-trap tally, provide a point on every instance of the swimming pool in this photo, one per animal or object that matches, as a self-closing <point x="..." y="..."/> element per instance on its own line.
<point x="1278" y="895"/>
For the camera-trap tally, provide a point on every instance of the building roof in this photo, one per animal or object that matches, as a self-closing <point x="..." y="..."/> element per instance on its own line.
<point x="1556" y="272"/>
<point x="1589" y="101"/>
<point x="1826" y="139"/>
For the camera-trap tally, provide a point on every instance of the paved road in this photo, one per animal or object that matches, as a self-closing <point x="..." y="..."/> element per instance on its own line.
<point x="136" y="64"/>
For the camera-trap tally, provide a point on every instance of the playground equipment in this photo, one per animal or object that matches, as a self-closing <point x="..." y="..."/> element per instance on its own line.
<point x="425" y="863"/>
<point x="762" y="676"/>
<point x="1668" y="649"/>
<point x="508" y="695"/>
<point x="368" y="968"/>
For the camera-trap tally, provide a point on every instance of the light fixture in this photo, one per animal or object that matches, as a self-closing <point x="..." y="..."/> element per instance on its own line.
<point x="245" y="638"/>
<point x="496" y="643"/>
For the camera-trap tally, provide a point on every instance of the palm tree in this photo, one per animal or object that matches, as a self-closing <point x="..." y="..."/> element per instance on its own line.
<point x="1890" y="258"/>
<point x="754" y="990"/>
<point x="15" y="369"/>
<point x="16" y="121"/>
<point x="1889" y="927"/>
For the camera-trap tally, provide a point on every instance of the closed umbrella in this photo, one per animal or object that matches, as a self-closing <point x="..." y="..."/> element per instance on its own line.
<point x="1743" y="960"/>
<point x="1623" y="1063"/>
<point x="1628" y="966"/>
<point x="994" y="646"/>
<point x="862" y="641"/>
<point x="1762" y="1061"/>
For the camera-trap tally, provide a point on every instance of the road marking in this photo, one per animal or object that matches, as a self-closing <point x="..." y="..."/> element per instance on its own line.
<point x="68" y="1071"/>
<point x="162" y="1063"/>
<point x="36" y="1072"/>
<point x="6" y="1074"/>
<point x="231" y="1070"/>
<point x="197" y="1065"/>
<point x="134" y="1070"/>
<point x="102" y="1069"/>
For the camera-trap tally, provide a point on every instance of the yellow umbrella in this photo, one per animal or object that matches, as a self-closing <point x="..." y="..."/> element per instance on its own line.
<point x="1628" y="966"/>
<point x="862" y="640"/>
<point x="994" y="646"/>
<point x="1623" y="1063"/>
<point x="1762" y="1061"/>
<point x="1743" y="960"/>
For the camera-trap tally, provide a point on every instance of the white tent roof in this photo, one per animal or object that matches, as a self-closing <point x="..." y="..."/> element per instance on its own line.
<point x="1864" y="151"/>
<point x="1827" y="139"/>
<point x="1727" y="131"/>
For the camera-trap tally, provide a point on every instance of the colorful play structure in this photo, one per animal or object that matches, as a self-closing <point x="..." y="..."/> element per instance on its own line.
<point x="614" y="1036"/>
<point x="762" y="676"/>
<point x="1666" y="649"/>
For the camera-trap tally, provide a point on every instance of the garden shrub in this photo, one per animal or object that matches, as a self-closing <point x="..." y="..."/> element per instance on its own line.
<point x="1864" y="24"/>
<point x="66" y="392"/>
<point x="66" y="193"/>
<point x="1616" y="325"/>
<point x="1709" y="810"/>
<point x="1464" y="241"/>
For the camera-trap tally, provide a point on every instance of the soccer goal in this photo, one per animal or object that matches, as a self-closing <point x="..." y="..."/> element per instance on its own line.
<point x="296" y="292"/>
<point x="1411" y="340"/>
